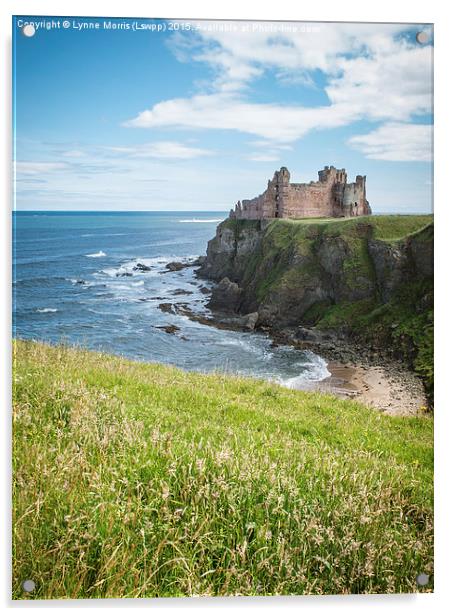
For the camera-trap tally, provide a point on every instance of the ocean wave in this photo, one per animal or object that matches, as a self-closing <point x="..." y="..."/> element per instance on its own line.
<point x="39" y="280"/>
<point x="156" y="263"/>
<point x="97" y="254"/>
<point x="237" y="342"/>
<point x="315" y="370"/>
<point x="101" y="234"/>
<point x="110" y="271"/>
<point x="81" y="282"/>
<point x="247" y="344"/>
<point x="201" y="220"/>
<point x="42" y="310"/>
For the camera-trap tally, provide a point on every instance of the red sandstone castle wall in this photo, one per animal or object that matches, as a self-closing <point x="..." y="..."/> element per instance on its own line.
<point x="262" y="206"/>
<point x="308" y="201"/>
<point x="253" y="208"/>
<point x="331" y="196"/>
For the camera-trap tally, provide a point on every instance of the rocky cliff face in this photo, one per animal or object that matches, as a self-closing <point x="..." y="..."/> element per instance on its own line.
<point x="229" y="251"/>
<point x="293" y="271"/>
<point x="372" y="275"/>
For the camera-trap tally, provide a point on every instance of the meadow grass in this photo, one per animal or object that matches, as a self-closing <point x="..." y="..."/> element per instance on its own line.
<point x="141" y="480"/>
<point x="388" y="227"/>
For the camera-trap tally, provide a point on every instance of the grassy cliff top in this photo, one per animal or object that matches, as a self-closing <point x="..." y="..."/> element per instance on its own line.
<point x="139" y="480"/>
<point x="386" y="227"/>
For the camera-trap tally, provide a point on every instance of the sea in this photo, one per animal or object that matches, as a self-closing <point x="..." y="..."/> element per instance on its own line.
<point x="75" y="281"/>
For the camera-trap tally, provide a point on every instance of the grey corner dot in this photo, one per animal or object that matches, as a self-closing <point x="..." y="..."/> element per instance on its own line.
<point x="422" y="579"/>
<point x="28" y="585"/>
<point x="422" y="37"/>
<point x="28" y="30"/>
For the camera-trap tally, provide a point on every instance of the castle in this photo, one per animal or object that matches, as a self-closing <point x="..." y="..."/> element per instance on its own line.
<point x="331" y="196"/>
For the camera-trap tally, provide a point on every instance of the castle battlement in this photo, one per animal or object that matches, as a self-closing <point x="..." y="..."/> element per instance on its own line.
<point x="330" y="196"/>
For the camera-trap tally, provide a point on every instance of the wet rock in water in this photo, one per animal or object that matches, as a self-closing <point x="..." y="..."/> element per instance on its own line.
<point x="250" y="320"/>
<point x="199" y="261"/>
<point x="80" y="281"/>
<point x="220" y="321"/>
<point x="175" y="266"/>
<point x="142" y="268"/>
<point x="123" y="274"/>
<point x="181" y="292"/>
<point x="204" y="290"/>
<point x="169" y="329"/>
<point x="166" y="307"/>
<point x="226" y="296"/>
<point x="235" y="323"/>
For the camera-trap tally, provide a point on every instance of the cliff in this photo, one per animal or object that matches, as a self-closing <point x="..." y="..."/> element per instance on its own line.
<point x="370" y="278"/>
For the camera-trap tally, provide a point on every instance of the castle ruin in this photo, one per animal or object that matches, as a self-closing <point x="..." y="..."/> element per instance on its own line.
<point x="331" y="196"/>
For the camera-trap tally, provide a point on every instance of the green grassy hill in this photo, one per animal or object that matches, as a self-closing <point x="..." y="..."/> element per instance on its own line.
<point x="135" y="480"/>
<point x="385" y="227"/>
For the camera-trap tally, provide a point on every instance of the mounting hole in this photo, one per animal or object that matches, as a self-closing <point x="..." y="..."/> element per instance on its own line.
<point x="28" y="585"/>
<point x="422" y="37"/>
<point x="28" y="30"/>
<point x="422" y="579"/>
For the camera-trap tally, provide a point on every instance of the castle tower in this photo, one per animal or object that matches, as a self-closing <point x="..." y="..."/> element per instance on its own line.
<point x="331" y="196"/>
<point x="281" y="180"/>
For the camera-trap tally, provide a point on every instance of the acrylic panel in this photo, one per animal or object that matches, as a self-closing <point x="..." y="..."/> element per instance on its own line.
<point x="222" y="308"/>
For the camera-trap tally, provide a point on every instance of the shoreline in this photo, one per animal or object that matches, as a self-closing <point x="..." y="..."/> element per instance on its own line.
<point x="379" y="387"/>
<point x="368" y="376"/>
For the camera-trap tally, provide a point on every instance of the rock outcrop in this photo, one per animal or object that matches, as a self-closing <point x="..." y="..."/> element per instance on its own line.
<point x="368" y="279"/>
<point x="226" y="296"/>
<point x="293" y="272"/>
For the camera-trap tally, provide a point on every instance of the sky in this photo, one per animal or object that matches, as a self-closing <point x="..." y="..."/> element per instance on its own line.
<point x="139" y="114"/>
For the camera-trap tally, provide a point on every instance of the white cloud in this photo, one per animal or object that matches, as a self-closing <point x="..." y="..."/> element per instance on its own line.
<point x="250" y="49"/>
<point x="263" y="158"/>
<point x="395" y="84"/>
<point x="270" y="151"/>
<point x="263" y="143"/>
<point x="161" y="149"/>
<point x="396" y="141"/>
<point x="74" y="154"/>
<point x="284" y="123"/>
<point x="370" y="73"/>
<point x="124" y="179"/>
<point x="38" y="168"/>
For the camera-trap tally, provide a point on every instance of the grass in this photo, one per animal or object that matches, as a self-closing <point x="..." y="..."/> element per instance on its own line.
<point x="388" y="227"/>
<point x="396" y="227"/>
<point x="135" y="480"/>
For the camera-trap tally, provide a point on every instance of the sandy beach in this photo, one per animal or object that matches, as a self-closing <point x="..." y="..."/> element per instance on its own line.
<point x="386" y="386"/>
<point x="392" y="391"/>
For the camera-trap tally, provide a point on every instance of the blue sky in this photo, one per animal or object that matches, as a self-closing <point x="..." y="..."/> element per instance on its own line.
<point x="199" y="116"/>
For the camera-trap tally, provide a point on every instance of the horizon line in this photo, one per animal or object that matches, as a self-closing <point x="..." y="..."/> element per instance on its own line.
<point x="15" y="211"/>
<point x="21" y="211"/>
